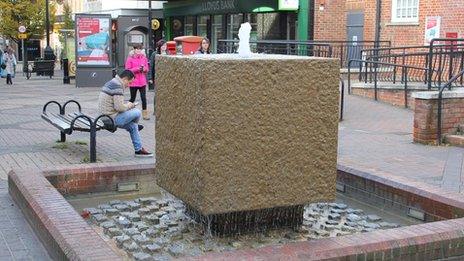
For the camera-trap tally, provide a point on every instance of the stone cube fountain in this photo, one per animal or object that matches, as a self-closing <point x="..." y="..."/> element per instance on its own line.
<point x="247" y="142"/>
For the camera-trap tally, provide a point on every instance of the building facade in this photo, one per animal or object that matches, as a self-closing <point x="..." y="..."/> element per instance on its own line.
<point x="221" y="19"/>
<point x="403" y="22"/>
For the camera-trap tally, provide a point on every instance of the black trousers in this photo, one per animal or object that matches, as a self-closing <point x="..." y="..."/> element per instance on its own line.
<point x="8" y="79"/>
<point x="143" y="95"/>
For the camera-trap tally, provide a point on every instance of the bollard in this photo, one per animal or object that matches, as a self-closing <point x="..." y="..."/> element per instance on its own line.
<point x="66" y="79"/>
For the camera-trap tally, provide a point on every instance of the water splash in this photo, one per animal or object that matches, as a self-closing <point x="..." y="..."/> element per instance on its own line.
<point x="244" y="50"/>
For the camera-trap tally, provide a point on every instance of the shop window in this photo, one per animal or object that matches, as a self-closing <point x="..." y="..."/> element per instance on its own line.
<point x="234" y="22"/>
<point x="405" y="10"/>
<point x="189" y="25"/>
<point x="202" y="26"/>
<point x="217" y="32"/>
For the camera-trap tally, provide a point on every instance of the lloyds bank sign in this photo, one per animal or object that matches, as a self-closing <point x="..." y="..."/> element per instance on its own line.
<point x="219" y="6"/>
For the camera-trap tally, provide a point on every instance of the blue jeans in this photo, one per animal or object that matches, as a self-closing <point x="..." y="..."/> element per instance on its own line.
<point x="128" y="120"/>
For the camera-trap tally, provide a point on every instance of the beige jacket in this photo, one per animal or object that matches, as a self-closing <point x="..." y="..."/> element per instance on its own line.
<point x="111" y="99"/>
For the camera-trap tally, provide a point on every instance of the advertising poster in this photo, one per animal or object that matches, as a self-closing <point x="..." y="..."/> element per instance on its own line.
<point x="93" y="41"/>
<point x="432" y="28"/>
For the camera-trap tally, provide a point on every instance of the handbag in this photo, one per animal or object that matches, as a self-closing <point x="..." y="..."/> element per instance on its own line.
<point x="3" y="66"/>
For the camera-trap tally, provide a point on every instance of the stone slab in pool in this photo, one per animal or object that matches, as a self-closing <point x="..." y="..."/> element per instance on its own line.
<point x="157" y="226"/>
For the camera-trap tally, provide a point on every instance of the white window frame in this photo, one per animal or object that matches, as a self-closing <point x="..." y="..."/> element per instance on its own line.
<point x="396" y="19"/>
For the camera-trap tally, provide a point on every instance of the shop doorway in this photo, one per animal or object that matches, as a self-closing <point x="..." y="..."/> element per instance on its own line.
<point x="355" y="34"/>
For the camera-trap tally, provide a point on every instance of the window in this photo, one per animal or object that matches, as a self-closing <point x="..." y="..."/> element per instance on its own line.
<point x="405" y="10"/>
<point x="189" y="25"/>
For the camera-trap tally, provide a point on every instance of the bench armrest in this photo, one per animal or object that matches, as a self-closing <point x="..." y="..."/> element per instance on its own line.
<point x="71" y="101"/>
<point x="44" y="110"/>
<point x="108" y="122"/>
<point x="91" y="123"/>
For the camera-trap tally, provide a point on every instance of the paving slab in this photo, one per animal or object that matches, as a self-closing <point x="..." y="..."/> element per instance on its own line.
<point x="376" y="137"/>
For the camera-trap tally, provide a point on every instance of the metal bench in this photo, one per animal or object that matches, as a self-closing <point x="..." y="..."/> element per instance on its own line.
<point x="77" y="121"/>
<point x="41" y="68"/>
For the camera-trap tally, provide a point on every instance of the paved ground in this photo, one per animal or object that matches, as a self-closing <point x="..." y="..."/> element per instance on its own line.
<point x="374" y="137"/>
<point x="377" y="137"/>
<point x="27" y="141"/>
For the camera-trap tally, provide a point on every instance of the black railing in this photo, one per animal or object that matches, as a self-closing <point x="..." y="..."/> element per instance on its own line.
<point x="279" y="47"/>
<point x="443" y="57"/>
<point x="378" y="67"/>
<point x="343" y="50"/>
<point x="440" y="101"/>
<point x="448" y="55"/>
<point x="342" y="98"/>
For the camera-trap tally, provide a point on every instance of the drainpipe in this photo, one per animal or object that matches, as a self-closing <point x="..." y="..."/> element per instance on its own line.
<point x="377" y="23"/>
<point x="303" y="16"/>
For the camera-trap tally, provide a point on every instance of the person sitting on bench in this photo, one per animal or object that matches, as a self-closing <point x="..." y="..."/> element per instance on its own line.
<point x="125" y="115"/>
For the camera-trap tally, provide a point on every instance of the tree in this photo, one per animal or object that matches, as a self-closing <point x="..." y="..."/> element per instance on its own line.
<point x="67" y="19"/>
<point x="68" y="23"/>
<point x="31" y="14"/>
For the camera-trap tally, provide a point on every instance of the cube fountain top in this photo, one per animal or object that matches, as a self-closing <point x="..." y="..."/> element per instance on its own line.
<point x="253" y="57"/>
<point x="242" y="134"/>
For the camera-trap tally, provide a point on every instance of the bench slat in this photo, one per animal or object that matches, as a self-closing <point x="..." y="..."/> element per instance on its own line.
<point x="78" y="125"/>
<point x="63" y="122"/>
<point x="100" y="123"/>
<point x="66" y="120"/>
<point x="57" y="122"/>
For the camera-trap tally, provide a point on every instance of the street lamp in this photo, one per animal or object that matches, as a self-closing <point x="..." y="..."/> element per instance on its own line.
<point x="48" y="52"/>
<point x="150" y="30"/>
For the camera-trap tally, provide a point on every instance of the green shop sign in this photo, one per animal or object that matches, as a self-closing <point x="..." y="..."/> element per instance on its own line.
<point x="207" y="7"/>
<point x="288" y="5"/>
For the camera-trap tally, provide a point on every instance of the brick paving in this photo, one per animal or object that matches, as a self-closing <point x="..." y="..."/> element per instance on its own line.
<point x="374" y="137"/>
<point x="27" y="141"/>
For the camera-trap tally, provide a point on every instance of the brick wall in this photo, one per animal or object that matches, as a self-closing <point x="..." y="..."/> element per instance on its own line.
<point x="425" y="118"/>
<point x="331" y="23"/>
<point x="394" y="97"/>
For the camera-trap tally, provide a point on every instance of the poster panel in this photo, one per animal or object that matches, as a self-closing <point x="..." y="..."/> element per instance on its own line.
<point x="93" y="41"/>
<point x="432" y="28"/>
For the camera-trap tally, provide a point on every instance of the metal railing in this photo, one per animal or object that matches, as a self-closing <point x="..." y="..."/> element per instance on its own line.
<point x="279" y="47"/>
<point x="342" y="98"/>
<point x="348" y="50"/>
<point x="378" y="67"/>
<point x="343" y="50"/>
<point x="443" y="57"/>
<point x="449" y="58"/>
<point x="440" y="101"/>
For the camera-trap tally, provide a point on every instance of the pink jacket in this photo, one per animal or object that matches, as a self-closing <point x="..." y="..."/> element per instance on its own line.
<point x="134" y="63"/>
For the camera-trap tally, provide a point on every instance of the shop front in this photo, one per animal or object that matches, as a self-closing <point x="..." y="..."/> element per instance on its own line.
<point x="221" y="19"/>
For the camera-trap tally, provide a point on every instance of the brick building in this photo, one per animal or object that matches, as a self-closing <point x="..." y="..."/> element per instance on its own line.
<point x="403" y="22"/>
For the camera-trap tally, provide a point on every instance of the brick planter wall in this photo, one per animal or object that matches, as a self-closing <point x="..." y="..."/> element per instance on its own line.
<point x="68" y="237"/>
<point x="426" y="115"/>
<point x="390" y="96"/>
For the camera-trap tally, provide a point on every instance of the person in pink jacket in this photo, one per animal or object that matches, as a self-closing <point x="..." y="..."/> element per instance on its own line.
<point x="137" y="62"/>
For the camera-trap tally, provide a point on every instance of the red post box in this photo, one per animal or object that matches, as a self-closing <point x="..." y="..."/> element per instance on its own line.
<point x="171" y="48"/>
<point x="188" y="44"/>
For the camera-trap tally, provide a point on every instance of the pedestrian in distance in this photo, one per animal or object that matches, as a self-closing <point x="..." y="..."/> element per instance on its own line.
<point x="125" y="115"/>
<point x="2" y="65"/>
<point x="204" y="47"/>
<point x="161" y="48"/>
<point x="137" y="63"/>
<point x="9" y="64"/>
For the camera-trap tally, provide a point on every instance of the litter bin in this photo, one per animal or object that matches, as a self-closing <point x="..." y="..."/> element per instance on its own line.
<point x="188" y="44"/>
